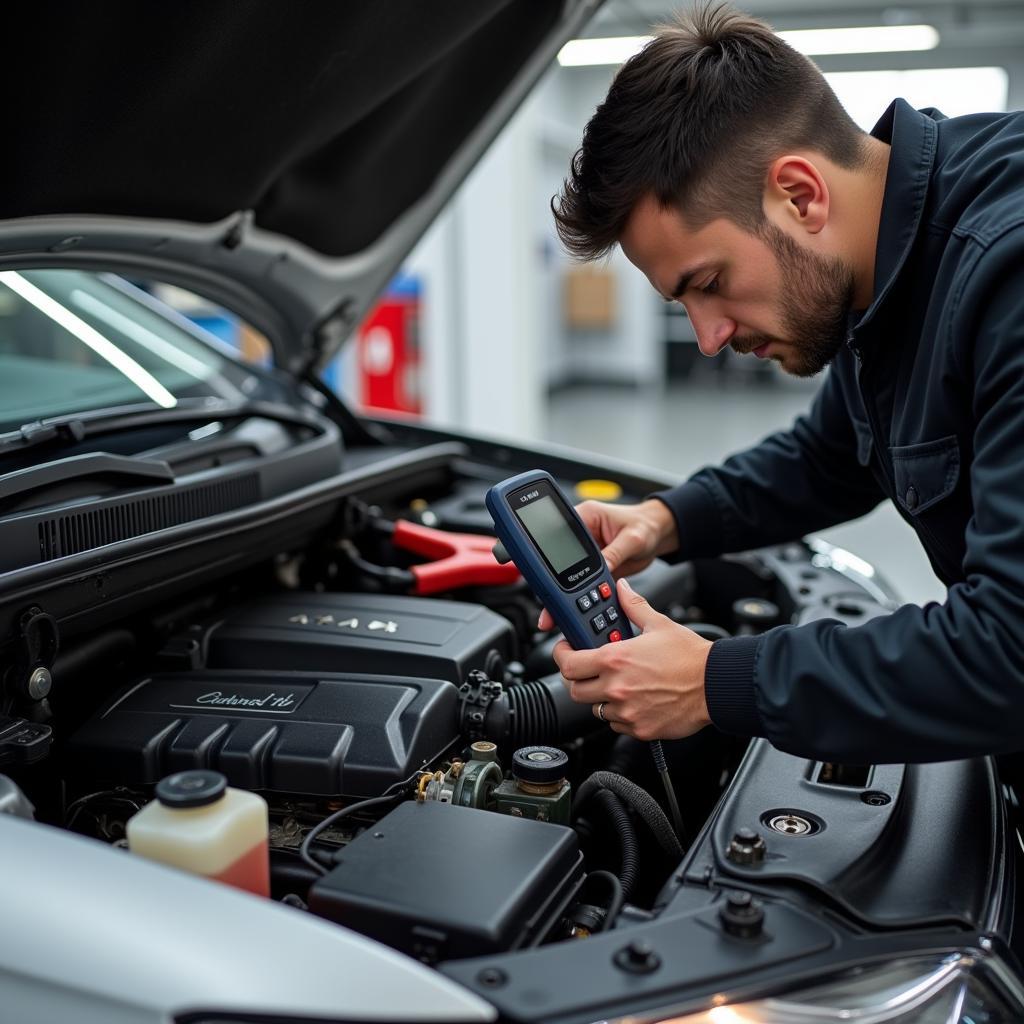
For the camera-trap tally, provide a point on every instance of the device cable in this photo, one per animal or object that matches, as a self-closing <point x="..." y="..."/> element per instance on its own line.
<point x="666" y="780"/>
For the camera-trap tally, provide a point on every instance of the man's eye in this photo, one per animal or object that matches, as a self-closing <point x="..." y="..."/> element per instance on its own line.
<point x="711" y="287"/>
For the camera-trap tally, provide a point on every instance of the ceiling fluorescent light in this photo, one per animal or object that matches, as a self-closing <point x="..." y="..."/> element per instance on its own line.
<point x="813" y="42"/>
<point x="610" y="50"/>
<point x="819" y="42"/>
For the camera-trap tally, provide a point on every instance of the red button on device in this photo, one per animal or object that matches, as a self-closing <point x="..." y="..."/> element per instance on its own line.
<point x="614" y="636"/>
<point x="606" y="590"/>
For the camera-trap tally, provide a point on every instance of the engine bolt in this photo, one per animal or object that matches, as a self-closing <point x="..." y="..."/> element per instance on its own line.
<point x="637" y="958"/>
<point x="39" y="683"/>
<point x="746" y="847"/>
<point x="875" y="798"/>
<point x="741" y="915"/>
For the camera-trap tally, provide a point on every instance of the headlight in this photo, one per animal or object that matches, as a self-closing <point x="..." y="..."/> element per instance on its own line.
<point x="962" y="988"/>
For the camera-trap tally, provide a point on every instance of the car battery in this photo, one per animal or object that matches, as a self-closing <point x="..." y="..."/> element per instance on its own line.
<point x="309" y="734"/>
<point x="364" y="633"/>
<point x="441" y="882"/>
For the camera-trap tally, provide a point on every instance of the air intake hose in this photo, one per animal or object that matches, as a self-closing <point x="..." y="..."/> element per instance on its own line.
<point x="537" y="711"/>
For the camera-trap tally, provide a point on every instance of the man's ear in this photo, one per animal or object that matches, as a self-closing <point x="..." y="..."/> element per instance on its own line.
<point x="796" y="192"/>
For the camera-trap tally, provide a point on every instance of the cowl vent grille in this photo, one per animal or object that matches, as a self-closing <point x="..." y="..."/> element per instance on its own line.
<point x="82" y="531"/>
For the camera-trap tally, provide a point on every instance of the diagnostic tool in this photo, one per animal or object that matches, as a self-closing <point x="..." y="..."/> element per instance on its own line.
<point x="541" y="532"/>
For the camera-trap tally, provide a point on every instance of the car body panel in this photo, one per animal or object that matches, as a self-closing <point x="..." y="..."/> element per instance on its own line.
<point x="82" y="911"/>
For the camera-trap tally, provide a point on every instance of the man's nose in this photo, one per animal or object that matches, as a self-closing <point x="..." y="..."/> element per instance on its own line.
<point x="713" y="332"/>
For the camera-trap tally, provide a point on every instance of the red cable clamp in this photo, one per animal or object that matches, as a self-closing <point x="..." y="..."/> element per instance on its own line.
<point x="457" y="559"/>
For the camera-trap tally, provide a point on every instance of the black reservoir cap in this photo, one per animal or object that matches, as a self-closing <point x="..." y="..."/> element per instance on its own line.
<point x="195" y="788"/>
<point x="539" y="765"/>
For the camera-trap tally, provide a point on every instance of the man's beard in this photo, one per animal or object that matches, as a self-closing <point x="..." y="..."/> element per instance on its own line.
<point x="815" y="306"/>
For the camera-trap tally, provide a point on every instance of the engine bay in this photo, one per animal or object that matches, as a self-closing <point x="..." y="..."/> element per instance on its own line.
<point x="430" y="784"/>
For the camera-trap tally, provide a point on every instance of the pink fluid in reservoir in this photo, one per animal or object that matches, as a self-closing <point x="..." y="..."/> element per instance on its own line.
<point x="250" y="871"/>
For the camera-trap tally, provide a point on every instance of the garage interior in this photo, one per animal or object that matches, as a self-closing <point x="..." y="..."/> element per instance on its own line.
<point x="281" y="734"/>
<point x="515" y="341"/>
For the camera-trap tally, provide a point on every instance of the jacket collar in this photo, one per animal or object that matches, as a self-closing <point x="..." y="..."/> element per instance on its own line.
<point x="912" y="136"/>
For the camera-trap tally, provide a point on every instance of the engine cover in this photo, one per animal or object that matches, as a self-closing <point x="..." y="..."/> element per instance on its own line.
<point x="313" y="734"/>
<point x="374" y="633"/>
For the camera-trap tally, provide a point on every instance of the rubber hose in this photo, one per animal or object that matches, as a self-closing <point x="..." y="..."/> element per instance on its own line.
<point x="538" y="711"/>
<point x="629" y="858"/>
<point x="616" y="899"/>
<point x="629" y="757"/>
<point x="639" y="800"/>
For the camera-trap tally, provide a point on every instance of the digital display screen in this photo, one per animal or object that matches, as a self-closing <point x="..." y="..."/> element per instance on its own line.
<point x="551" y="533"/>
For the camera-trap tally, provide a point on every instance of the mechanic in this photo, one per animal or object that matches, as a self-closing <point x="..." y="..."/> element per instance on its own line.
<point x="726" y="169"/>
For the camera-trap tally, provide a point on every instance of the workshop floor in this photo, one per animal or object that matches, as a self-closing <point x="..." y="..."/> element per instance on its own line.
<point x="682" y="426"/>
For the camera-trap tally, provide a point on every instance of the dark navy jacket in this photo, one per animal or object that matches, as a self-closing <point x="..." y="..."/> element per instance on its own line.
<point x="924" y="406"/>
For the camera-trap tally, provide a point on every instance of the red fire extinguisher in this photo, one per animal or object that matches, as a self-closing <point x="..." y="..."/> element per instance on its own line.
<point x="389" y="350"/>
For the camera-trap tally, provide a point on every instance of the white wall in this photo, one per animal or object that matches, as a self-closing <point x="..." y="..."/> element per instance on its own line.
<point x="481" y="271"/>
<point x="492" y="270"/>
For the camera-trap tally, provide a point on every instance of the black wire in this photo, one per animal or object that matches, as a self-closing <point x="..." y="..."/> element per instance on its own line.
<point x="392" y="576"/>
<point x="622" y="825"/>
<point x="649" y="810"/>
<point x="122" y="795"/>
<point x="332" y="819"/>
<point x="393" y="792"/>
<point x="616" y="900"/>
<point x="670" y="793"/>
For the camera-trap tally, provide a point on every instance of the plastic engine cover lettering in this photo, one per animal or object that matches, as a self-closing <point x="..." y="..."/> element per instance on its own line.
<point x="373" y="633"/>
<point x="286" y="732"/>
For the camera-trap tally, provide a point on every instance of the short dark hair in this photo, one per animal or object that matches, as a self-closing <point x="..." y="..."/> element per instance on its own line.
<point x="695" y="120"/>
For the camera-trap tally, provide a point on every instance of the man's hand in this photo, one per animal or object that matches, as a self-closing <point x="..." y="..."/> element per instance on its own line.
<point x="651" y="686"/>
<point x="631" y="536"/>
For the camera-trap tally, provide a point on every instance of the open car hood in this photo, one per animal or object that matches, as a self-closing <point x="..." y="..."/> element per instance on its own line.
<point x="280" y="160"/>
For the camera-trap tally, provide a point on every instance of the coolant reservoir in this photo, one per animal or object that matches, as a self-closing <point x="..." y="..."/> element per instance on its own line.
<point x="199" y="824"/>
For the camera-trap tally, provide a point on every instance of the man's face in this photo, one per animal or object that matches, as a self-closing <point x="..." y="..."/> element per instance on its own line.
<point x="762" y="293"/>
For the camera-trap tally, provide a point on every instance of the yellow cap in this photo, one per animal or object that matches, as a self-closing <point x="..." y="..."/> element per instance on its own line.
<point x="598" y="490"/>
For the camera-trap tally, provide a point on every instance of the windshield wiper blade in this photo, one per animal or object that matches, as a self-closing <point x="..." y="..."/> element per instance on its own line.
<point x="129" y="469"/>
<point x="68" y="430"/>
<point x="28" y="435"/>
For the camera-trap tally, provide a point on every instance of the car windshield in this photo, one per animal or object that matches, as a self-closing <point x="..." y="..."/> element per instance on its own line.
<point x="73" y="341"/>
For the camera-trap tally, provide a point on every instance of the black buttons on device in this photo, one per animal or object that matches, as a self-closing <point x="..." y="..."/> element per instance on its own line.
<point x="591" y="601"/>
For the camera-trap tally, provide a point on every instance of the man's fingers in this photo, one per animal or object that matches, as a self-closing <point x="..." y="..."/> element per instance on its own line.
<point x="579" y="666"/>
<point x="636" y="607"/>
<point x="614" y="556"/>
<point x="576" y="665"/>
<point x="545" y="622"/>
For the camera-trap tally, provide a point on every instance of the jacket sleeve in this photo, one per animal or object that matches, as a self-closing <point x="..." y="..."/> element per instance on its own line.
<point x="793" y="482"/>
<point x="926" y="683"/>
